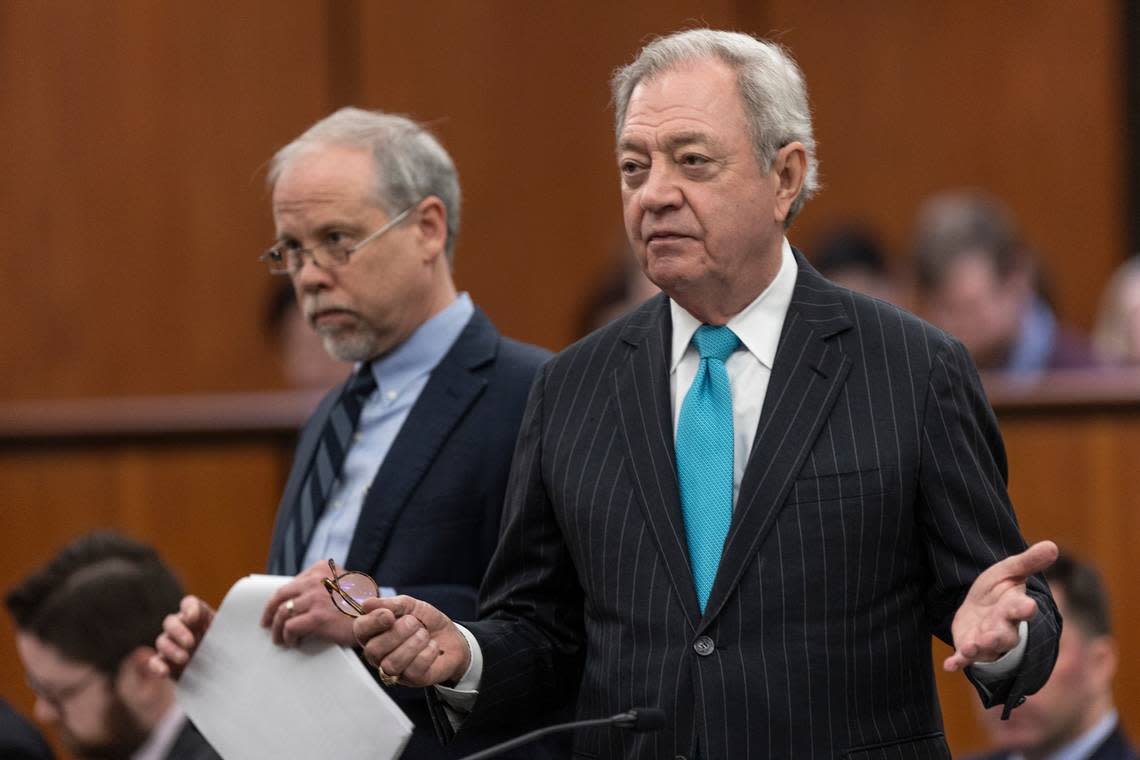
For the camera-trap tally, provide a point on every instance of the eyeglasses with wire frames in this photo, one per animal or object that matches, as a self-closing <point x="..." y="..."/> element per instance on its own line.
<point x="284" y="258"/>
<point x="349" y="591"/>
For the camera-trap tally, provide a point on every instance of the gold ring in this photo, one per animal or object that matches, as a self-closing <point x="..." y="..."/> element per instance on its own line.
<point x="290" y="608"/>
<point x="386" y="679"/>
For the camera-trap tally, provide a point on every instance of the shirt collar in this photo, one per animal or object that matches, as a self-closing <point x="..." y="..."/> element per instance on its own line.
<point x="758" y="325"/>
<point x="425" y="348"/>
<point x="1083" y="745"/>
<point x="162" y="736"/>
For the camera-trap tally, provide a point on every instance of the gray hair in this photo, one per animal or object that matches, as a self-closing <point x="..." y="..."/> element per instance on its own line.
<point x="771" y="87"/>
<point x="410" y="162"/>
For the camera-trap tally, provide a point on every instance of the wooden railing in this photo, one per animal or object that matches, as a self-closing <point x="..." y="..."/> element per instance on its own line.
<point x="199" y="476"/>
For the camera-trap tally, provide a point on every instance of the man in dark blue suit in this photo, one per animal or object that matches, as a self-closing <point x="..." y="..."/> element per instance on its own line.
<point x="1073" y="716"/>
<point x="400" y="472"/>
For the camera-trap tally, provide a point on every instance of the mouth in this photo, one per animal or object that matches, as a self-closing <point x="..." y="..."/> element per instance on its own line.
<point x="666" y="237"/>
<point x="330" y="317"/>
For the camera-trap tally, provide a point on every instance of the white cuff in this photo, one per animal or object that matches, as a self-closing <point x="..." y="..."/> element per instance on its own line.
<point x="1001" y="667"/>
<point x="460" y="699"/>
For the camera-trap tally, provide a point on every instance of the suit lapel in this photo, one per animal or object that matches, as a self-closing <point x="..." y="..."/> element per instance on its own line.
<point x="644" y="408"/>
<point x="453" y="386"/>
<point x="807" y="374"/>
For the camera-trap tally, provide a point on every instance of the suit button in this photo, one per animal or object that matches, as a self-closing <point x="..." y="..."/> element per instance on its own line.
<point x="704" y="646"/>
<point x="679" y="757"/>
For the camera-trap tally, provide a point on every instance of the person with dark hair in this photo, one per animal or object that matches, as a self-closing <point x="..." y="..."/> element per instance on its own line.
<point x="852" y="257"/>
<point x="85" y="629"/>
<point x="981" y="282"/>
<point x="19" y="739"/>
<point x="1073" y="716"/>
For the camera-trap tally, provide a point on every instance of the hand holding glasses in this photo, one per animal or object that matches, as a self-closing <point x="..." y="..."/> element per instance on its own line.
<point x="348" y="592"/>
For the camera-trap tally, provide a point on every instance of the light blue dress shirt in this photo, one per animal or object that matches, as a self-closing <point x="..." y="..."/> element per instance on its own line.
<point x="400" y="376"/>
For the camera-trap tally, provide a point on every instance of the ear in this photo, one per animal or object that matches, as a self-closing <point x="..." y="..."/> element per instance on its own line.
<point x="1102" y="658"/>
<point x="134" y="671"/>
<point x="789" y="169"/>
<point x="431" y="227"/>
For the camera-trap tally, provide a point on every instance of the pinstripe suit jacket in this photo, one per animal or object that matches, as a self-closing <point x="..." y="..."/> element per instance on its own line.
<point x="874" y="495"/>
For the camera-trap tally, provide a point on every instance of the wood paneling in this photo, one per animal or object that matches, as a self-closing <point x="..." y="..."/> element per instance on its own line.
<point x="1022" y="99"/>
<point x="131" y="190"/>
<point x="131" y="187"/>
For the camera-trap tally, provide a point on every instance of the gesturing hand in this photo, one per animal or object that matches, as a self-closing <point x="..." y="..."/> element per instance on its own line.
<point x="985" y="626"/>
<point x="412" y="640"/>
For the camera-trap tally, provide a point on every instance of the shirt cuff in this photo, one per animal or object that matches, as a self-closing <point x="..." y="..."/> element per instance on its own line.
<point x="459" y="700"/>
<point x="387" y="591"/>
<point x="991" y="672"/>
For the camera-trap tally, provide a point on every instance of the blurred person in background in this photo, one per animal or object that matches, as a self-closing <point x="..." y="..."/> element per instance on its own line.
<point x="1116" y="338"/>
<point x="19" y="739"/>
<point x="85" y="628"/>
<point x="978" y="280"/>
<point x="622" y="288"/>
<point x="852" y="257"/>
<point x="1073" y="716"/>
<point x="304" y="362"/>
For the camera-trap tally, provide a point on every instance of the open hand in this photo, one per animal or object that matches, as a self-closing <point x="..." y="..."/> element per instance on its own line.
<point x="985" y="626"/>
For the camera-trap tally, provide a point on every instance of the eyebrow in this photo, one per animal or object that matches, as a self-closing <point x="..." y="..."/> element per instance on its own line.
<point x="672" y="142"/>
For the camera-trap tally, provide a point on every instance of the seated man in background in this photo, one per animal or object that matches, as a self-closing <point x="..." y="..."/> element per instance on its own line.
<point x="979" y="281"/>
<point x="85" y="628"/>
<point x="19" y="739"/>
<point x="1073" y="716"/>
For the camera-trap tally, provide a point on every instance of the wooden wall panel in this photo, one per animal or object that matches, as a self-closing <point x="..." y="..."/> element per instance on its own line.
<point x="519" y="93"/>
<point x="133" y="203"/>
<point x="1023" y="99"/>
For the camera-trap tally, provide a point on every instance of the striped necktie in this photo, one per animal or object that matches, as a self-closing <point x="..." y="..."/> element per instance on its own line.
<point x="704" y="449"/>
<point x="335" y="439"/>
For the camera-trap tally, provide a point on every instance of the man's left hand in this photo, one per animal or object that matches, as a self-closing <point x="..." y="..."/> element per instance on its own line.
<point x="985" y="626"/>
<point x="302" y="607"/>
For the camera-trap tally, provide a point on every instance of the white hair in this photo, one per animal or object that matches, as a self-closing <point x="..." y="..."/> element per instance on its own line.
<point x="410" y="163"/>
<point x="771" y="87"/>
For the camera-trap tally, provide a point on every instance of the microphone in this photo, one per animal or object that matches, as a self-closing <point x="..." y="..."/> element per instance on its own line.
<point x="639" y="719"/>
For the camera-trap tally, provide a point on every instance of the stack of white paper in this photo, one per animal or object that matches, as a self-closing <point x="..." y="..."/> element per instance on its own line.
<point x="253" y="699"/>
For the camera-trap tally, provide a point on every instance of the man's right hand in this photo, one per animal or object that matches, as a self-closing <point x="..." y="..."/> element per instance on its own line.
<point x="412" y="640"/>
<point x="181" y="633"/>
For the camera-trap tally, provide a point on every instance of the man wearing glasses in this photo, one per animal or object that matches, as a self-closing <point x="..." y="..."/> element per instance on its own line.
<point x="85" y="628"/>
<point x="400" y="473"/>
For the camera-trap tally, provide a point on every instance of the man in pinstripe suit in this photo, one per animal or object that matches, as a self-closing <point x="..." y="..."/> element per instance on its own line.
<point x="868" y="499"/>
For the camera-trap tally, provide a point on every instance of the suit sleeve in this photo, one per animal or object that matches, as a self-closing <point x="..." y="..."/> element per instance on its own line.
<point x="530" y="629"/>
<point x="968" y="521"/>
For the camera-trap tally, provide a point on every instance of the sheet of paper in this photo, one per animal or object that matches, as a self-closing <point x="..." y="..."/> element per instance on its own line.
<point x="253" y="699"/>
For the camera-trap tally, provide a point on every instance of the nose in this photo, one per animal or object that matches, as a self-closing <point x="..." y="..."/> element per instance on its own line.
<point x="310" y="277"/>
<point x="44" y="711"/>
<point x="661" y="191"/>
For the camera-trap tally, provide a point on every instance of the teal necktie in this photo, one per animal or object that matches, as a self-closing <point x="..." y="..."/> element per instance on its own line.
<point x="704" y="456"/>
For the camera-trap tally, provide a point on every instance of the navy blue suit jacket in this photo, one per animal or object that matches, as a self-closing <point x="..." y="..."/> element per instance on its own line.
<point x="430" y="521"/>
<point x="19" y="739"/>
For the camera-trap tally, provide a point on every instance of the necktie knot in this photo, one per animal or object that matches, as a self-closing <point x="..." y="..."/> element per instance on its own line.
<point x="715" y="342"/>
<point x="363" y="382"/>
